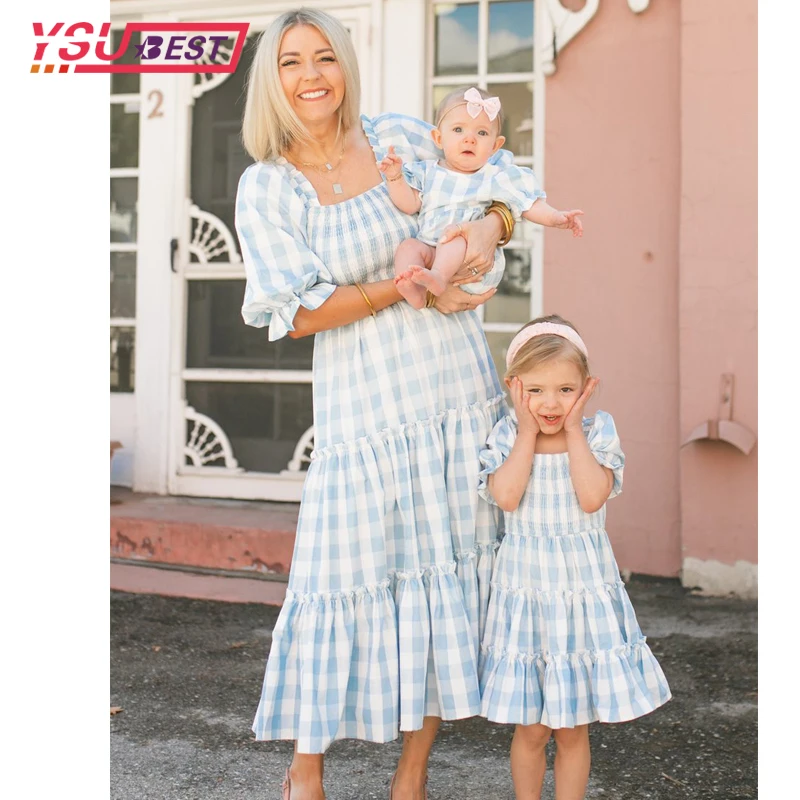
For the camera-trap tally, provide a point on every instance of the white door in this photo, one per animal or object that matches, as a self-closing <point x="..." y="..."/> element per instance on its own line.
<point x="241" y="416"/>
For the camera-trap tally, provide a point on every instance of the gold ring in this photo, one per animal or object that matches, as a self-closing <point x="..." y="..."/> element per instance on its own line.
<point x="473" y="270"/>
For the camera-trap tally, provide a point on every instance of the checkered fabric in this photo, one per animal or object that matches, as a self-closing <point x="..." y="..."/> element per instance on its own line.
<point x="390" y="575"/>
<point x="449" y="198"/>
<point x="561" y="645"/>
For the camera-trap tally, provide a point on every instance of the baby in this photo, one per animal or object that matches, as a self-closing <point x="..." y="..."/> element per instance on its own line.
<point x="459" y="188"/>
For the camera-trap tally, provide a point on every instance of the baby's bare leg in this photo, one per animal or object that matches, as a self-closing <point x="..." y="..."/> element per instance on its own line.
<point x="448" y="260"/>
<point x="411" y="253"/>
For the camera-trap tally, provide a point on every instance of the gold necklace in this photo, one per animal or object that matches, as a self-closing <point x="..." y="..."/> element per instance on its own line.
<point x="337" y="187"/>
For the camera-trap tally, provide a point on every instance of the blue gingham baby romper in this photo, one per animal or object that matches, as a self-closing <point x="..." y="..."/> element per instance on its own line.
<point x="390" y="574"/>
<point x="449" y="197"/>
<point x="562" y="646"/>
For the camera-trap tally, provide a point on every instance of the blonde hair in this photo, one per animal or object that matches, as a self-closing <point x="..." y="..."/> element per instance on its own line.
<point x="270" y="125"/>
<point x="456" y="98"/>
<point x="548" y="347"/>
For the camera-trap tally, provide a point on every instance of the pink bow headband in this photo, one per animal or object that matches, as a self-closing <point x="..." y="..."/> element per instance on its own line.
<point x="476" y="104"/>
<point x="540" y="328"/>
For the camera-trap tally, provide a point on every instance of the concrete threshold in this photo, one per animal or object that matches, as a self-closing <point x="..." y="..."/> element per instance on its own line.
<point x="206" y="548"/>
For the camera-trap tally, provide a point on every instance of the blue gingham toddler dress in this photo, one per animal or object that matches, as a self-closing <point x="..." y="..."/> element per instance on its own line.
<point x="390" y="575"/>
<point x="562" y="646"/>
<point x="450" y="197"/>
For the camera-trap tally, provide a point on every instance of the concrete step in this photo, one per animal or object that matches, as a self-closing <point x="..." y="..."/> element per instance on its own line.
<point x="201" y="547"/>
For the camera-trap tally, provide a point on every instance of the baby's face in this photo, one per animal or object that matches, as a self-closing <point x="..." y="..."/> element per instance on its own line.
<point x="467" y="143"/>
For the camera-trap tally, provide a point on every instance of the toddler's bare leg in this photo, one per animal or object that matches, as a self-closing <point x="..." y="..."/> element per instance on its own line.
<point x="411" y="253"/>
<point x="448" y="260"/>
<point x="573" y="759"/>
<point x="528" y="760"/>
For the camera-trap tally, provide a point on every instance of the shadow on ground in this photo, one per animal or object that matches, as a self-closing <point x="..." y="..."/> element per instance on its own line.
<point x="187" y="676"/>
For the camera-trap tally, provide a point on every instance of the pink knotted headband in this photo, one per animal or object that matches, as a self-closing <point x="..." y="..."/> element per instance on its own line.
<point x="540" y="328"/>
<point x="476" y="104"/>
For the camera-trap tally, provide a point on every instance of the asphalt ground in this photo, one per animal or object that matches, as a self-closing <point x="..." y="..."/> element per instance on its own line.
<point x="187" y="674"/>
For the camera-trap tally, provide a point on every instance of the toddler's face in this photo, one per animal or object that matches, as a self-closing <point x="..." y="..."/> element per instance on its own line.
<point x="555" y="387"/>
<point x="467" y="143"/>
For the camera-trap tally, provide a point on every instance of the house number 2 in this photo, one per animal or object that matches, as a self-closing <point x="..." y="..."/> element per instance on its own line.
<point x="159" y="99"/>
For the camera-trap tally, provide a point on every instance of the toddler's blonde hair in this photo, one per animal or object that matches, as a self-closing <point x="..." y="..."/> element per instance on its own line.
<point x="548" y="347"/>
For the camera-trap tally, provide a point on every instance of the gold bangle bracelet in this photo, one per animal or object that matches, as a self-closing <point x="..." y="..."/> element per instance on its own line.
<point x="430" y="299"/>
<point x="508" y="220"/>
<point x="366" y="299"/>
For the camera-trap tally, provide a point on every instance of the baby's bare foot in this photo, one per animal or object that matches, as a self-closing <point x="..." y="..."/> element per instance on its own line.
<point x="432" y="281"/>
<point x="414" y="294"/>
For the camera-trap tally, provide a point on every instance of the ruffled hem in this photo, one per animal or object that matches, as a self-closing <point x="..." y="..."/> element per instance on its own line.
<point x="388" y="436"/>
<point x="598" y="618"/>
<point x="569" y="689"/>
<point x="369" y="662"/>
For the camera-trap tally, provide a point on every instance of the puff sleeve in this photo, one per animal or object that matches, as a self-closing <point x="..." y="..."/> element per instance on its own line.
<point x="416" y="173"/>
<point x="282" y="272"/>
<point x="518" y="188"/>
<point x="497" y="450"/>
<point x="601" y="433"/>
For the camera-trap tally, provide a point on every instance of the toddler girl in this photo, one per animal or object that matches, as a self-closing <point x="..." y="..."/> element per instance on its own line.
<point x="562" y="647"/>
<point x="459" y="188"/>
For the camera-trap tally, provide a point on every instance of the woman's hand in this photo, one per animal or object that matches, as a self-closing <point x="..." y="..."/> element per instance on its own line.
<point x="455" y="299"/>
<point x="392" y="165"/>
<point x="482" y="236"/>
<point x="574" y="420"/>
<point x="521" y="400"/>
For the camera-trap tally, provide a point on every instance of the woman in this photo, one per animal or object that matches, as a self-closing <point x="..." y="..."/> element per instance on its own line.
<point x="390" y="573"/>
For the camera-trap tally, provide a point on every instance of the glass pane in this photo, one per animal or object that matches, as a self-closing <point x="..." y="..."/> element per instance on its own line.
<point x="511" y="36"/>
<point x="218" y="158"/>
<point x="123" y="209"/>
<point x="217" y="337"/>
<point x="125" y="134"/>
<point x="263" y="421"/>
<point x="512" y="303"/>
<point x="456" y="39"/>
<point x="122" y="343"/>
<point x="123" y="284"/>
<point x="125" y="83"/>
<point x="498" y="346"/>
<point x="517" y="102"/>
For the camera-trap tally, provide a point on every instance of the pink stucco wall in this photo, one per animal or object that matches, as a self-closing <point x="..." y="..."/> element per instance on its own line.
<point x="613" y="127"/>
<point x="718" y="259"/>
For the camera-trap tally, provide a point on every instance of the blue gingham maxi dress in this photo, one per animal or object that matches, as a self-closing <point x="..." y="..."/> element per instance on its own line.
<point x="450" y="197"/>
<point x="390" y="573"/>
<point x="562" y="646"/>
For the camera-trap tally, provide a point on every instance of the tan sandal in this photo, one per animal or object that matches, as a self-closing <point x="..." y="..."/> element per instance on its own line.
<point x="391" y="787"/>
<point x="286" y="787"/>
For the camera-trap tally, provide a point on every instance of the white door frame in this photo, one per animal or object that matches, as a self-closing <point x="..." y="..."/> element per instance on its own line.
<point x="230" y="480"/>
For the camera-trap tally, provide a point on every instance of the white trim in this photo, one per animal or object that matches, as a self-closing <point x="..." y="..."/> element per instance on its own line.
<point x="119" y="99"/>
<point x="159" y="186"/>
<point x="488" y="77"/>
<point x="124" y="172"/>
<point x="246" y="375"/>
<point x="123" y="322"/>
<point x="124" y="247"/>
<point x="286" y="487"/>
<point x="215" y="271"/>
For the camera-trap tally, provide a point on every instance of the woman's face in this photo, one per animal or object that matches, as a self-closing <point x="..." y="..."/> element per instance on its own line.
<point x="310" y="74"/>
